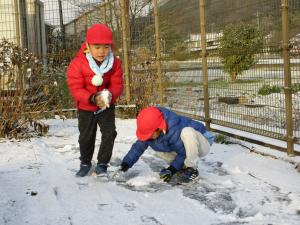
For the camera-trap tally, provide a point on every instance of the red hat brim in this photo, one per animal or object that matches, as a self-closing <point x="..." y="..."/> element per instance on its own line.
<point x="102" y="42"/>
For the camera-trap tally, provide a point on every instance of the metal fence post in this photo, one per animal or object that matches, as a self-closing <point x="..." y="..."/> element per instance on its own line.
<point x="125" y="50"/>
<point x="61" y="23"/>
<point x="158" y="59"/>
<point x="75" y="34"/>
<point x="287" y="78"/>
<point x="104" y="9"/>
<point x="207" y="118"/>
<point x="85" y="22"/>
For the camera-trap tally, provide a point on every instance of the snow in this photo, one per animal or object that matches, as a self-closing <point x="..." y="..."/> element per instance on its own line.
<point x="260" y="138"/>
<point x="237" y="186"/>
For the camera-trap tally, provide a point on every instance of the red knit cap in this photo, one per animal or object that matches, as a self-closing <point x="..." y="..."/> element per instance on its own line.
<point x="99" y="34"/>
<point x="148" y="120"/>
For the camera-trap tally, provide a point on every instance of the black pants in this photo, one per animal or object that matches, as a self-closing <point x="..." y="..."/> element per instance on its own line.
<point x="87" y="123"/>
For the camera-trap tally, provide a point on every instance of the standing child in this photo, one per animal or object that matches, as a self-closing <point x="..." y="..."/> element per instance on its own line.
<point x="177" y="139"/>
<point x="95" y="81"/>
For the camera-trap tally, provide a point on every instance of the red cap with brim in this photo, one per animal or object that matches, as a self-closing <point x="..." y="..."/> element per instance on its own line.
<point x="148" y="120"/>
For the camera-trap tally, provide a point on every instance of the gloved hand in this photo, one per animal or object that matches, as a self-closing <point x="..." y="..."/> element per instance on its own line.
<point x="167" y="173"/>
<point x="120" y="175"/>
<point x="124" y="167"/>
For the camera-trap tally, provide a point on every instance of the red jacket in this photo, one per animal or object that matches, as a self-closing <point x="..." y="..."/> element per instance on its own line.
<point x="79" y="77"/>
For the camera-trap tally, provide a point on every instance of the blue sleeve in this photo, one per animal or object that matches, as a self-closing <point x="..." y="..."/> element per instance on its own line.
<point x="179" y="159"/>
<point x="210" y="137"/>
<point x="137" y="149"/>
<point x="198" y="126"/>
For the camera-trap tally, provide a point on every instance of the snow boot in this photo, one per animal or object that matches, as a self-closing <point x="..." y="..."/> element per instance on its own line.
<point x="84" y="169"/>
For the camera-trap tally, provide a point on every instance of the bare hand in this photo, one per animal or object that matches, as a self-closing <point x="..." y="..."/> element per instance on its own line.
<point x="100" y="102"/>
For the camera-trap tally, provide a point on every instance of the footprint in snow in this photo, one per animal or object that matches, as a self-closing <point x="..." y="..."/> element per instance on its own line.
<point x="129" y="206"/>
<point x="101" y="206"/>
<point x="150" y="220"/>
<point x="82" y="185"/>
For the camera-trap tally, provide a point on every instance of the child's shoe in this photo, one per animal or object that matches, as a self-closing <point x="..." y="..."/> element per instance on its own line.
<point x="101" y="169"/>
<point x="84" y="169"/>
<point x="189" y="174"/>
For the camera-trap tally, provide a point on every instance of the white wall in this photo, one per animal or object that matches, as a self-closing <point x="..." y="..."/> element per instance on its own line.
<point x="25" y="28"/>
<point x="8" y="15"/>
<point x="36" y="37"/>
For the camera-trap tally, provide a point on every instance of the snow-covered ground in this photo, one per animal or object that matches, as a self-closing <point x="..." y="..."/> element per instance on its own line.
<point x="38" y="186"/>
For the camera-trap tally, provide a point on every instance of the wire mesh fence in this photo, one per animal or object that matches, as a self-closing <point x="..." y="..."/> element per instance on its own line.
<point x="250" y="67"/>
<point x="242" y="46"/>
<point x="246" y="85"/>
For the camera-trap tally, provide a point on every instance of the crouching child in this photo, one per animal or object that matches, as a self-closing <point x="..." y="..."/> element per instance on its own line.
<point x="177" y="139"/>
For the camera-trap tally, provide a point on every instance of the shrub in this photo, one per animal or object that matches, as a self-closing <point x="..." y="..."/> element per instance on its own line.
<point x="268" y="89"/>
<point x="26" y="90"/>
<point x="296" y="87"/>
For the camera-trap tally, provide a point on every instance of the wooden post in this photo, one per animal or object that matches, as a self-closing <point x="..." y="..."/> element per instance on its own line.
<point x="158" y="59"/>
<point x="20" y="68"/>
<point x="207" y="118"/>
<point x="127" y="26"/>
<point x="125" y="50"/>
<point x="287" y="78"/>
<point x="17" y="22"/>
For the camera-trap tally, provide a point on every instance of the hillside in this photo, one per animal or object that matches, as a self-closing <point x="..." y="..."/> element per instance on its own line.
<point x="184" y="14"/>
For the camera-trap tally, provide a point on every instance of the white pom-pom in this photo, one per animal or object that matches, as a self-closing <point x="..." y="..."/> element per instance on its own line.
<point x="97" y="80"/>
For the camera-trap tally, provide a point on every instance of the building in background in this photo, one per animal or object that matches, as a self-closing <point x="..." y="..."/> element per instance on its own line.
<point x="98" y="12"/>
<point x="22" y="22"/>
<point x="212" y="41"/>
<point x="36" y="37"/>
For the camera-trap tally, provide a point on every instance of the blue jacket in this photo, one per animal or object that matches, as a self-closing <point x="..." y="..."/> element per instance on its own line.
<point x="170" y="141"/>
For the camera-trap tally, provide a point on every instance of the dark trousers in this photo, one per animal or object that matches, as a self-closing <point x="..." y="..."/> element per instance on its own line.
<point x="87" y="123"/>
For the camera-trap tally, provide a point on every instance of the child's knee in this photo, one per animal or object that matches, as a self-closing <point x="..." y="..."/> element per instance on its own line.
<point x="187" y="133"/>
<point x="204" y="146"/>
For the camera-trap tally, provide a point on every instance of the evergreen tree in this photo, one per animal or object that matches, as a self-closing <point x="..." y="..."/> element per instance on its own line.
<point x="238" y="47"/>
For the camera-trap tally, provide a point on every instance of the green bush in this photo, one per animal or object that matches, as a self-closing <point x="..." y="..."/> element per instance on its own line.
<point x="296" y="87"/>
<point x="222" y="139"/>
<point x="268" y="89"/>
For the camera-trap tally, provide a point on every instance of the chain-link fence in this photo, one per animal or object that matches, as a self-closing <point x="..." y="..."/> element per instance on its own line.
<point x="231" y="67"/>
